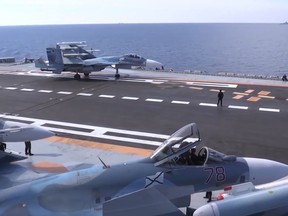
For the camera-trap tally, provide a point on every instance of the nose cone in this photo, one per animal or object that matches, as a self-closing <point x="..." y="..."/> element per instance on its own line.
<point x="262" y="171"/>
<point x="20" y="132"/>
<point x="154" y="65"/>
<point x="36" y="133"/>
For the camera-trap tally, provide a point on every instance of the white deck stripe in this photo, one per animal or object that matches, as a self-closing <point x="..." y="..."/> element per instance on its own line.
<point x="11" y="88"/>
<point x="238" y="107"/>
<point x="154" y="100"/>
<point x="269" y="110"/>
<point x="25" y="89"/>
<point x="98" y="132"/>
<point x="85" y="94"/>
<point x="219" y="85"/>
<point x="208" y="104"/>
<point x="63" y="92"/>
<point x="265" y="96"/>
<point x="107" y="96"/>
<point x="180" y="102"/>
<point x="130" y="98"/>
<point x="45" y="91"/>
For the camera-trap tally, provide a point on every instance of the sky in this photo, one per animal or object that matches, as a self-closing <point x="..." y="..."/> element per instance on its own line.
<point x="42" y="12"/>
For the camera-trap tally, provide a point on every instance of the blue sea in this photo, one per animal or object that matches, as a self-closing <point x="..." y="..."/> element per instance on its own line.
<point x="257" y="49"/>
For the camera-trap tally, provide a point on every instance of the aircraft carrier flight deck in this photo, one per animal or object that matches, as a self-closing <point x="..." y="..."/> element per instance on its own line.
<point x="142" y="107"/>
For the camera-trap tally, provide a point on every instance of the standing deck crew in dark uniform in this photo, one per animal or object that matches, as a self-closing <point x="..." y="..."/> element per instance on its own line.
<point x="220" y="97"/>
<point x="2" y="146"/>
<point x="28" y="148"/>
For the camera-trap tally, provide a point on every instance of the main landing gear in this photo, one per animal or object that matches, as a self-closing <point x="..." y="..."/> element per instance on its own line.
<point x="86" y="75"/>
<point x="77" y="76"/>
<point x="117" y="75"/>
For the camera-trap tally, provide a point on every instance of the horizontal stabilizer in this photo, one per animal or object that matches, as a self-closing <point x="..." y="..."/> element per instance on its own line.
<point x="141" y="203"/>
<point x="9" y="156"/>
<point x="40" y="63"/>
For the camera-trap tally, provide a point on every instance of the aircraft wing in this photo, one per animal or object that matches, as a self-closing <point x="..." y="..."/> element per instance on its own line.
<point x="145" y="202"/>
<point x="10" y="156"/>
<point x="102" y="61"/>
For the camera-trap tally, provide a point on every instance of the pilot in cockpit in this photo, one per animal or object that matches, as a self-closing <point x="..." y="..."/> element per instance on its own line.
<point x="189" y="157"/>
<point x="193" y="156"/>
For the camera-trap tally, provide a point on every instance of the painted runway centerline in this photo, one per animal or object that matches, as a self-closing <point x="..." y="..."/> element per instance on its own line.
<point x="26" y="89"/>
<point x="85" y="94"/>
<point x="64" y="92"/>
<point x="154" y="100"/>
<point x="106" y="96"/>
<point x="130" y="98"/>
<point x="208" y="104"/>
<point x="269" y="110"/>
<point x="180" y="102"/>
<point x="11" y="88"/>
<point x="45" y="91"/>
<point x="238" y="107"/>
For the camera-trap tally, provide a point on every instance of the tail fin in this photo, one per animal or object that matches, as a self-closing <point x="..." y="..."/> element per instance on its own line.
<point x="54" y="55"/>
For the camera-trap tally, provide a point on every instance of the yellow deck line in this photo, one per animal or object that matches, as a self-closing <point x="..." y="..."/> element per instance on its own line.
<point x="264" y="93"/>
<point x="102" y="146"/>
<point x="249" y="91"/>
<point x="237" y="97"/>
<point x="253" y="99"/>
<point x="49" y="167"/>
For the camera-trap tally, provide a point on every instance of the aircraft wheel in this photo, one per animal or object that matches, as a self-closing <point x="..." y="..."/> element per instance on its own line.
<point x="117" y="76"/>
<point x="86" y="75"/>
<point x="77" y="77"/>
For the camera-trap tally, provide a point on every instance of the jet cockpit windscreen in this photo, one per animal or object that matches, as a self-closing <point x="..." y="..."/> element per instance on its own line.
<point x="134" y="56"/>
<point x="181" y="141"/>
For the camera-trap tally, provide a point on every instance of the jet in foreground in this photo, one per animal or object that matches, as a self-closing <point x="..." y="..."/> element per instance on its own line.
<point x="156" y="185"/>
<point x="71" y="56"/>
<point x="249" y="200"/>
<point x="11" y="131"/>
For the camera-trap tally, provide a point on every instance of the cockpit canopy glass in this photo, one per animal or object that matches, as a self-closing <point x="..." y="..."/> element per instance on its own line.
<point x="181" y="141"/>
<point x="135" y="56"/>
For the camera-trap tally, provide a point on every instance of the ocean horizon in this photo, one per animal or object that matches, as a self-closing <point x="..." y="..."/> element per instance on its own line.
<point x="242" y="48"/>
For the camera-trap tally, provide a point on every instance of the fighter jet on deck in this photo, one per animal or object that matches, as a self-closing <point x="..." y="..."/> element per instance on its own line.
<point x="71" y="56"/>
<point x="249" y="200"/>
<point x="156" y="185"/>
<point x="11" y="131"/>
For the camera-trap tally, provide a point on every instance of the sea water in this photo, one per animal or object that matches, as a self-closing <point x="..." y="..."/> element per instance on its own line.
<point x="259" y="49"/>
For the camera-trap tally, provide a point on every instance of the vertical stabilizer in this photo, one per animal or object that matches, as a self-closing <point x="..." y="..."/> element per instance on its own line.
<point x="54" y="55"/>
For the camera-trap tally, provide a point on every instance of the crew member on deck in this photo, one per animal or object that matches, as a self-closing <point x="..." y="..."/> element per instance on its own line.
<point x="2" y="146"/>
<point x="220" y="97"/>
<point x="28" y="148"/>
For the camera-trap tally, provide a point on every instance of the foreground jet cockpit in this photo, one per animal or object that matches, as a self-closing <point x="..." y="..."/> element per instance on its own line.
<point x="183" y="144"/>
<point x="181" y="141"/>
